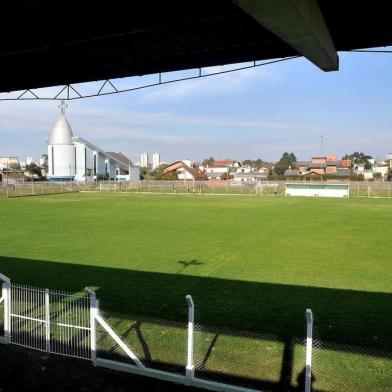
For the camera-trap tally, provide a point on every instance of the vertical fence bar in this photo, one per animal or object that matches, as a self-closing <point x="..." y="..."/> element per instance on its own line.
<point x="190" y="368"/>
<point x="94" y="304"/>
<point x="6" y="294"/>
<point x="47" y="320"/>
<point x="309" y="345"/>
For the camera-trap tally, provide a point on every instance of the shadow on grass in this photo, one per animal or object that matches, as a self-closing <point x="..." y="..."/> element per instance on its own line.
<point x="344" y="317"/>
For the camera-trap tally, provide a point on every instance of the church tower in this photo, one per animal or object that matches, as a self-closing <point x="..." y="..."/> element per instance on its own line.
<point x="61" y="150"/>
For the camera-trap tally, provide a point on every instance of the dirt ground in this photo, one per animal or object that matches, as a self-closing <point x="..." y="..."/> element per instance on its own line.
<point x="28" y="370"/>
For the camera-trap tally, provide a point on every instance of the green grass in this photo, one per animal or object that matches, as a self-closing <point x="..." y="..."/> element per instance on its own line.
<point x="251" y="263"/>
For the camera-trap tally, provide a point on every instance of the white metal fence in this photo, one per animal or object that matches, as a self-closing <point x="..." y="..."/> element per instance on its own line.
<point x="53" y="321"/>
<point x="369" y="189"/>
<point x="35" y="188"/>
<point x="67" y="324"/>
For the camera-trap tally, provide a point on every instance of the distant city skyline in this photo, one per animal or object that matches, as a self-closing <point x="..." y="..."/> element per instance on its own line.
<point x="257" y="113"/>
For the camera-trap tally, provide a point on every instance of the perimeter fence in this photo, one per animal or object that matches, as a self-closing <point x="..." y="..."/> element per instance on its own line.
<point x="369" y="189"/>
<point x="190" y="351"/>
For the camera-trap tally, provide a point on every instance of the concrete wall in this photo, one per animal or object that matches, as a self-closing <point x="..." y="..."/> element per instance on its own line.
<point x="321" y="190"/>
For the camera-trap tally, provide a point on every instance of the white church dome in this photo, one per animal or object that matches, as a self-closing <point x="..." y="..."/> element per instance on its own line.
<point x="61" y="132"/>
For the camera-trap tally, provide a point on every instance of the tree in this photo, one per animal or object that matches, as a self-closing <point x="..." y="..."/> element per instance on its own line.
<point x="32" y="168"/>
<point x="14" y="166"/>
<point x="226" y="176"/>
<point x="286" y="161"/>
<point x="377" y="176"/>
<point x="389" y="174"/>
<point x="358" y="158"/>
<point x="209" y="161"/>
<point x="257" y="164"/>
<point x="247" y="162"/>
<point x="157" y="173"/>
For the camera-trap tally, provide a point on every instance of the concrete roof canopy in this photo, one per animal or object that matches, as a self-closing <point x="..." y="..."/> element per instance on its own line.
<point x="176" y="35"/>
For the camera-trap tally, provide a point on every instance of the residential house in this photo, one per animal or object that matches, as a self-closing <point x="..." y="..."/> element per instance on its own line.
<point x="220" y="169"/>
<point x="326" y="165"/>
<point x="247" y="174"/>
<point x="185" y="171"/>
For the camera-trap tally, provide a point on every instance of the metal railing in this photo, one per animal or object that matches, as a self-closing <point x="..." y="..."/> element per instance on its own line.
<point x="71" y="324"/>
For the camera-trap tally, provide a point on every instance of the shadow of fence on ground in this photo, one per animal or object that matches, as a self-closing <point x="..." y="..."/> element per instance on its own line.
<point x="263" y="320"/>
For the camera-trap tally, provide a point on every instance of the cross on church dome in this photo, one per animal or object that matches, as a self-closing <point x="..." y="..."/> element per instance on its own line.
<point x="62" y="107"/>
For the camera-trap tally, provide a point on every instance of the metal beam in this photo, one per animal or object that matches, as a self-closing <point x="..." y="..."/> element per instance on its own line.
<point x="300" y="24"/>
<point x="172" y="377"/>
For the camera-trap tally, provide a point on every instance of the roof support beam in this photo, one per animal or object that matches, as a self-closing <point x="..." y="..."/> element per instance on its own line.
<point x="300" y="24"/>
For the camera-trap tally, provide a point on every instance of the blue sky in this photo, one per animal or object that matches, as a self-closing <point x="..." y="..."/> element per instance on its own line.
<point x="255" y="113"/>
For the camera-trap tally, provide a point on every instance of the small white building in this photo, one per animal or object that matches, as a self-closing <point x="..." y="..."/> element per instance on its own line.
<point x="248" y="174"/>
<point x="381" y="169"/>
<point x="220" y="169"/>
<point x="75" y="159"/>
<point x="317" y="189"/>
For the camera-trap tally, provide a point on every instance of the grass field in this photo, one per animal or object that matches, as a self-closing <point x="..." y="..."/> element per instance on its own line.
<point x="250" y="263"/>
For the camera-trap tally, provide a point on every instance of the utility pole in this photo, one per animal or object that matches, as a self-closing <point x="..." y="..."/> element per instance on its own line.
<point x="129" y="162"/>
<point x="321" y="155"/>
<point x="8" y="173"/>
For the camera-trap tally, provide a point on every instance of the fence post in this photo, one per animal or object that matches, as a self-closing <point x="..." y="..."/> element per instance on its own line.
<point x="93" y="324"/>
<point x="6" y="294"/>
<point x="190" y="368"/>
<point x="309" y="345"/>
<point x="47" y="320"/>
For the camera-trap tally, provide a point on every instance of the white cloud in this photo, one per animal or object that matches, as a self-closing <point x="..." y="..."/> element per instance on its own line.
<point x="233" y="83"/>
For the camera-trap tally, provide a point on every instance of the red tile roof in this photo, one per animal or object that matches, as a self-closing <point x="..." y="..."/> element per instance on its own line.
<point x="195" y="172"/>
<point x="223" y="162"/>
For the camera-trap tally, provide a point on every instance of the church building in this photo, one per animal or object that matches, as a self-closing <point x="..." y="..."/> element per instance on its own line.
<point x="75" y="159"/>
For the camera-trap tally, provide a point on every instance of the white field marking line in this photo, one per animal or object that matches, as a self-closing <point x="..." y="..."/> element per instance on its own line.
<point x="192" y="195"/>
<point x="1" y="300"/>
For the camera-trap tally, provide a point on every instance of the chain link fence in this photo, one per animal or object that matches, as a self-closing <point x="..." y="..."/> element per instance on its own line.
<point x="1" y="317"/>
<point x="158" y="343"/>
<point x="369" y="189"/>
<point x="248" y="358"/>
<point x="34" y="188"/>
<point x="350" y="368"/>
<point x="244" y="358"/>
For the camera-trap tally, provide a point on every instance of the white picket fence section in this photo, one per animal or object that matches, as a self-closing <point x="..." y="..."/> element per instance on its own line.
<point x="65" y="323"/>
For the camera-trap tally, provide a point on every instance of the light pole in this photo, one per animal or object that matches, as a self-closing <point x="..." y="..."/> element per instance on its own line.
<point x="129" y="161"/>
<point x="8" y="173"/>
<point x="321" y="155"/>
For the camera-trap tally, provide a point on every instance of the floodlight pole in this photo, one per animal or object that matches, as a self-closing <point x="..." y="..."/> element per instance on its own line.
<point x="321" y="155"/>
